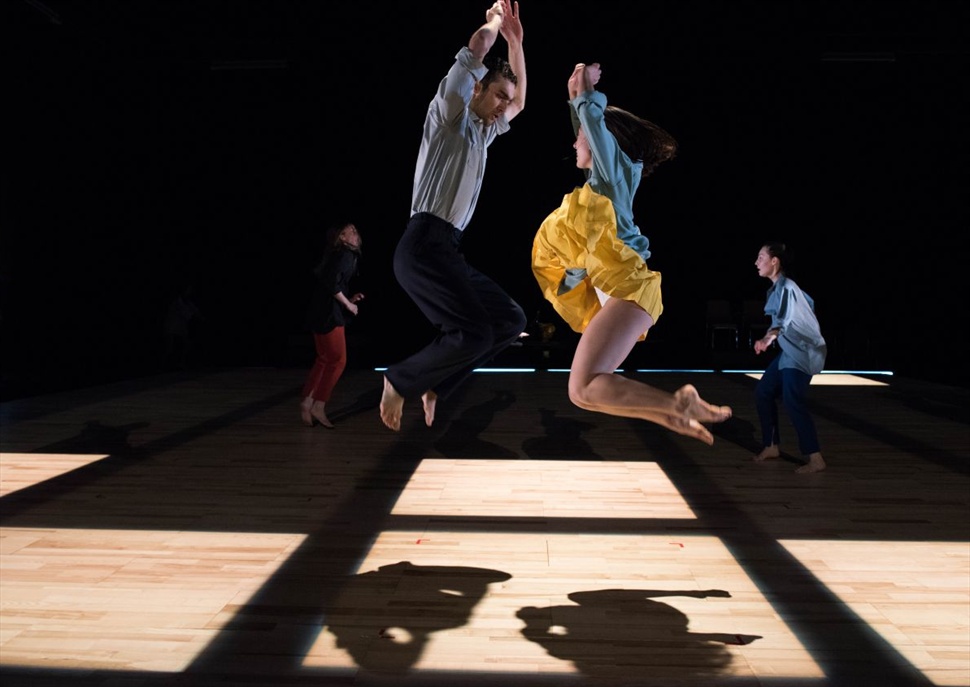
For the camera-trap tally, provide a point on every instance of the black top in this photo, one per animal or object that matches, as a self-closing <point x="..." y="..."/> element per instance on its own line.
<point x="325" y="311"/>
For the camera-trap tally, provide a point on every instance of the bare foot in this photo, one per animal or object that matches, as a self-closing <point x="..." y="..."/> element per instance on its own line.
<point x="692" y="411"/>
<point x="318" y="414"/>
<point x="767" y="453"/>
<point x="305" y="406"/>
<point x="814" y="464"/>
<point x="429" y="399"/>
<point x="694" y="407"/>
<point x="392" y="405"/>
<point x="693" y="428"/>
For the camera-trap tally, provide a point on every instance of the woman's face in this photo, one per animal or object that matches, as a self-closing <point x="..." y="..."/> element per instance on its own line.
<point x="767" y="265"/>
<point x="350" y="236"/>
<point x="584" y="157"/>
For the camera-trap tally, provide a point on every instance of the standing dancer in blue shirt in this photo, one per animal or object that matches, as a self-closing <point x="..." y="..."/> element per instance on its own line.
<point x="475" y="318"/>
<point x="590" y="260"/>
<point x="803" y="350"/>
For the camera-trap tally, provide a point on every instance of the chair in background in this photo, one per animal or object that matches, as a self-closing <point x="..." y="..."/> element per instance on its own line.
<point x="722" y="323"/>
<point x="754" y="322"/>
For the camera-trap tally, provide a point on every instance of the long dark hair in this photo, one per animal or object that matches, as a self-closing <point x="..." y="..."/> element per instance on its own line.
<point x="641" y="140"/>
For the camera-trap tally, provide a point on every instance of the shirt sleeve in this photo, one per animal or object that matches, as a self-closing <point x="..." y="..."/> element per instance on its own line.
<point x="608" y="159"/>
<point x="458" y="86"/>
<point x="782" y="315"/>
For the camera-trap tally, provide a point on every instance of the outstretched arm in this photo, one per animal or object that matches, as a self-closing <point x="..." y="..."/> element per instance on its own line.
<point x="512" y="33"/>
<point x="484" y="37"/>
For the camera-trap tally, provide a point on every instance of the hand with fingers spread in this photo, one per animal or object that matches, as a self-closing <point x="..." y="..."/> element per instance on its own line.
<point x="511" y="25"/>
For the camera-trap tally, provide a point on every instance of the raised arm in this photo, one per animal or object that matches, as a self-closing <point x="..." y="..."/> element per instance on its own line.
<point x="512" y="33"/>
<point x="588" y="107"/>
<point x="484" y="37"/>
<point x="583" y="79"/>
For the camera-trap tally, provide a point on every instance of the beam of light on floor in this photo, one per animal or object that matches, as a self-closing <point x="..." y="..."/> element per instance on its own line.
<point x="546" y="488"/>
<point x="126" y="599"/>
<point x="22" y="470"/>
<point x="491" y="602"/>
<point x="602" y="606"/>
<point x="834" y="379"/>
<point x="914" y="594"/>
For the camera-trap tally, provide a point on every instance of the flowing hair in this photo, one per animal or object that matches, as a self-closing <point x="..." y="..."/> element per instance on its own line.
<point x="641" y="140"/>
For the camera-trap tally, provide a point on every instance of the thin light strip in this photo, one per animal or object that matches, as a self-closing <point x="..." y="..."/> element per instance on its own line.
<point x="484" y="369"/>
<point x="823" y="372"/>
<point x="888" y="373"/>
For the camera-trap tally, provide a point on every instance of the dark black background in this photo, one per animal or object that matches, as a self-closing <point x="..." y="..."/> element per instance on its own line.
<point x="148" y="142"/>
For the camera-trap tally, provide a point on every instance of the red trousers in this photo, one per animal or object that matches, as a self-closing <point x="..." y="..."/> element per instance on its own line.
<point x="329" y="365"/>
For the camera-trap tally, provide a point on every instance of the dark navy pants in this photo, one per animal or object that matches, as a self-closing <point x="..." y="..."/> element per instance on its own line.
<point x="792" y="386"/>
<point x="474" y="317"/>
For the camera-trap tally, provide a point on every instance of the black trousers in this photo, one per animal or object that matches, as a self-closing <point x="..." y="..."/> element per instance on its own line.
<point x="475" y="318"/>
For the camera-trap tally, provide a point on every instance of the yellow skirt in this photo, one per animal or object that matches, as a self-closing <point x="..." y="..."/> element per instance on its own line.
<point x="581" y="233"/>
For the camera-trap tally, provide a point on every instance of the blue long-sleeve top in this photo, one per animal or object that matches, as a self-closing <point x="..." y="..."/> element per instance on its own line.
<point x="614" y="174"/>
<point x="792" y="313"/>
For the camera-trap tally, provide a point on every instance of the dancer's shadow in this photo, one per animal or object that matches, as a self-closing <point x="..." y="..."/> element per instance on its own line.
<point x="383" y="618"/>
<point x="365" y="402"/>
<point x="562" y="439"/>
<point x="740" y="432"/>
<point x="96" y="437"/>
<point x="619" y="632"/>
<point x="462" y="440"/>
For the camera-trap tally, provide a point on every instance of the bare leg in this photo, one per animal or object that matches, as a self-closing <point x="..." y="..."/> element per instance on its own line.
<point x="320" y="415"/>
<point x="429" y="399"/>
<point x="392" y="405"/>
<point x="767" y="453"/>
<point x="305" y="406"/>
<point x="604" y="345"/>
<point x="814" y="464"/>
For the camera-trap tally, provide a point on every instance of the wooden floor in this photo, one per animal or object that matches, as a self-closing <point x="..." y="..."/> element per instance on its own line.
<point x="188" y="530"/>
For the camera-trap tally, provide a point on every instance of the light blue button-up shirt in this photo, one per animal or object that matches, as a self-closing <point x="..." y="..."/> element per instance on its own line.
<point x="613" y="175"/>
<point x="451" y="160"/>
<point x="792" y="312"/>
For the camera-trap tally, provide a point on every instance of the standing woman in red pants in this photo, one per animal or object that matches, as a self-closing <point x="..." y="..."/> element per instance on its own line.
<point x="326" y="319"/>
